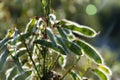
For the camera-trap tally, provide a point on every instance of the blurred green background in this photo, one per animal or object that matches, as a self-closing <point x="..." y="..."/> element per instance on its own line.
<point x="102" y="15"/>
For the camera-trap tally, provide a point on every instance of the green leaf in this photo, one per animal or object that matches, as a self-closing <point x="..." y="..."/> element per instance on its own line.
<point x="31" y="25"/>
<point x="75" y="76"/>
<point x="3" y="42"/>
<point x="79" y="29"/>
<point x="52" y="37"/>
<point x="69" y="33"/>
<point x="23" y="36"/>
<point x="15" y="37"/>
<point x="62" y="32"/>
<point x="62" y="43"/>
<point x="20" y="52"/>
<point x="23" y="75"/>
<point x="3" y="58"/>
<point x="62" y="61"/>
<point x="73" y="47"/>
<point x="61" y="50"/>
<point x="100" y="74"/>
<point x="65" y="33"/>
<point x="89" y="51"/>
<point x="105" y="69"/>
<point x="17" y="62"/>
<point x="70" y="46"/>
<point x="45" y="43"/>
<point x="11" y="73"/>
<point x="48" y="44"/>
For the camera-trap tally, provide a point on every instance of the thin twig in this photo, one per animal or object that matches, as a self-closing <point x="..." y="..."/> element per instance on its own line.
<point x="54" y="63"/>
<point x="70" y="69"/>
<point x="29" y="53"/>
<point x="44" y="52"/>
<point x="38" y="55"/>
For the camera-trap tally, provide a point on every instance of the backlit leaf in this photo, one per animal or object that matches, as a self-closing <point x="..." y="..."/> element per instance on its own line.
<point x="62" y="61"/>
<point x="79" y="29"/>
<point x="105" y="69"/>
<point x="70" y="46"/>
<point x="19" y="65"/>
<point x="52" y="37"/>
<point x="31" y="25"/>
<point x="69" y="33"/>
<point x="11" y="73"/>
<point x="23" y="36"/>
<point x="62" y="32"/>
<point x="48" y="44"/>
<point x="100" y="74"/>
<point x="89" y="51"/>
<point x="66" y="33"/>
<point x="15" y="37"/>
<point x="62" y="43"/>
<point x="21" y="52"/>
<point x="3" y="42"/>
<point x="73" y="47"/>
<point x="23" y="75"/>
<point x="3" y="58"/>
<point x="75" y="76"/>
<point x="61" y="50"/>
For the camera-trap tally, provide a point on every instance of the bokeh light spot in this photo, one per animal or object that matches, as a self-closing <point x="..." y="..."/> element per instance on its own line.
<point x="91" y="9"/>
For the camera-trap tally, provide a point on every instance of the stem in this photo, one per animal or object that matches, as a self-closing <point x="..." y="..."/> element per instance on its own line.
<point x="43" y="8"/>
<point x="48" y="7"/>
<point x="44" y="53"/>
<point x="29" y="53"/>
<point x="55" y="62"/>
<point x="46" y="4"/>
<point x="38" y="56"/>
<point x="70" y="69"/>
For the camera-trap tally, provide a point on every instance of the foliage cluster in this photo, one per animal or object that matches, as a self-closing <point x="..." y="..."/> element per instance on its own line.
<point x="47" y="43"/>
